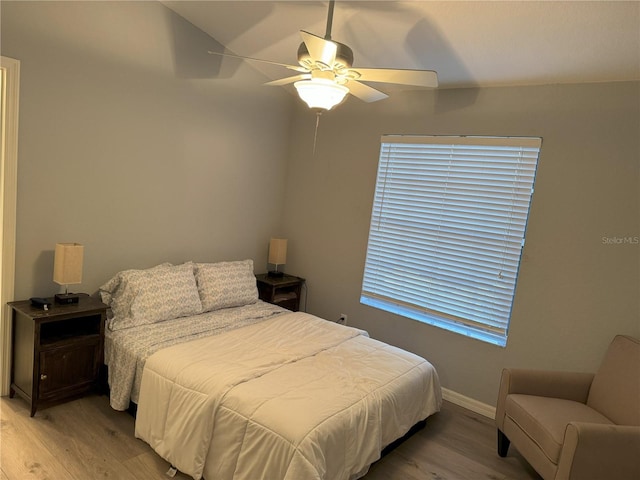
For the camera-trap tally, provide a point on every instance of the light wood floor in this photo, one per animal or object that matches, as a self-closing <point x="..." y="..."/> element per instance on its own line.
<point x="85" y="439"/>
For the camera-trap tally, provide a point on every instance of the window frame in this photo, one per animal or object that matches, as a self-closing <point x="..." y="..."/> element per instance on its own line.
<point x="476" y="161"/>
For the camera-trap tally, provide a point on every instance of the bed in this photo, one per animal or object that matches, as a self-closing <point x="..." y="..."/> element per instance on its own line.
<point x="230" y="387"/>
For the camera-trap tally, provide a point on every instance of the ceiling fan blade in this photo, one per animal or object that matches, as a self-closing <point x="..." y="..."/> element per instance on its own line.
<point x="320" y="49"/>
<point x="296" y="68"/>
<point x="418" y="78"/>
<point x="287" y="80"/>
<point x="365" y="92"/>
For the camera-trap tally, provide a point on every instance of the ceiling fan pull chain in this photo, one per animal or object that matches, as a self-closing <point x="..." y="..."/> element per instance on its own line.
<point x="315" y="133"/>
<point x="327" y="35"/>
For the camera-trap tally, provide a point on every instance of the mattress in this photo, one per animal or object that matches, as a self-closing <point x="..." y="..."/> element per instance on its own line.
<point x="287" y="396"/>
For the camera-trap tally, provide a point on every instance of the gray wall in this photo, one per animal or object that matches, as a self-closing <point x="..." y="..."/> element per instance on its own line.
<point x="136" y="143"/>
<point x="575" y="292"/>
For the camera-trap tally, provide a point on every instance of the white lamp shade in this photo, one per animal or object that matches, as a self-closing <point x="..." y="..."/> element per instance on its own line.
<point x="67" y="264"/>
<point x="321" y="93"/>
<point x="278" y="251"/>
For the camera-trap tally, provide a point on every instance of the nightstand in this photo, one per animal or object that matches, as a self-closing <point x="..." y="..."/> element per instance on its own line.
<point x="283" y="291"/>
<point x="57" y="353"/>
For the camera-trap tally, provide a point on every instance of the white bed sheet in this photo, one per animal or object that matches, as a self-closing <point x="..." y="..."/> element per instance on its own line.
<point x="292" y="397"/>
<point x="127" y="350"/>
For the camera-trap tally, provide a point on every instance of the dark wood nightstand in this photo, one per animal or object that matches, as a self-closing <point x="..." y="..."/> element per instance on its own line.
<point x="57" y="353"/>
<point x="284" y="291"/>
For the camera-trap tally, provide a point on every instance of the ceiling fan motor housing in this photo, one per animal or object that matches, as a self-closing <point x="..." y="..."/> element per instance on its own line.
<point x="344" y="57"/>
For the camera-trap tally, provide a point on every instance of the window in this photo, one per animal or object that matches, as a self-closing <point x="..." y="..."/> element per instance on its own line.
<point x="447" y="230"/>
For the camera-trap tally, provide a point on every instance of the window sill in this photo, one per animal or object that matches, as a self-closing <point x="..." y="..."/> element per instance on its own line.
<point x="445" y="324"/>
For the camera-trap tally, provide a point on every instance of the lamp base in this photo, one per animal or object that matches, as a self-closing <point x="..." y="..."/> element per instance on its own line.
<point x="275" y="274"/>
<point x="67" y="298"/>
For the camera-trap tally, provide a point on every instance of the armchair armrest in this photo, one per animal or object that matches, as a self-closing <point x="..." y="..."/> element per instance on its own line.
<point x="595" y="451"/>
<point x="547" y="383"/>
<point x="543" y="383"/>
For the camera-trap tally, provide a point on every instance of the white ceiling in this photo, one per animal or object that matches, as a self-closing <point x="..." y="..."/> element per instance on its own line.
<point x="476" y="43"/>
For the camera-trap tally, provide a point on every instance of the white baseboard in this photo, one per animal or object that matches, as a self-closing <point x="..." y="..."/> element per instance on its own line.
<point x="469" y="403"/>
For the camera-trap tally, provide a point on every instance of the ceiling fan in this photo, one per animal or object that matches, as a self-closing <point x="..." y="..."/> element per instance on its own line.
<point x="326" y="76"/>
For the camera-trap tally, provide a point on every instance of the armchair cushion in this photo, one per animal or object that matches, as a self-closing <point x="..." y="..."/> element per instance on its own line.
<point x="544" y="419"/>
<point x="541" y="383"/>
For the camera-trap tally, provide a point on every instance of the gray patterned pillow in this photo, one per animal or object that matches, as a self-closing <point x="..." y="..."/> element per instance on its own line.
<point x="119" y="298"/>
<point x="226" y="284"/>
<point x="139" y="297"/>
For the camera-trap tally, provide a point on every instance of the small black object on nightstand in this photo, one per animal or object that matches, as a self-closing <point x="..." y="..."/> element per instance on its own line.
<point x="40" y="302"/>
<point x="67" y="298"/>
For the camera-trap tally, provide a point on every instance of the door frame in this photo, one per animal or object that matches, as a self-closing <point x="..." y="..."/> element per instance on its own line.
<point x="10" y="91"/>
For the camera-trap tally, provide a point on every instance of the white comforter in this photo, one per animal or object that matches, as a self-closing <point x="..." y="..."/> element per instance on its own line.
<point x="127" y="350"/>
<point x="293" y="397"/>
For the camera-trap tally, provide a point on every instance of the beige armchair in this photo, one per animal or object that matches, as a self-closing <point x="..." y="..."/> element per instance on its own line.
<point x="576" y="426"/>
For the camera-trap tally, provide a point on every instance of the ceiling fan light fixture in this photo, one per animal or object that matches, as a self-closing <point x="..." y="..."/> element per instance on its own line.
<point x="321" y="93"/>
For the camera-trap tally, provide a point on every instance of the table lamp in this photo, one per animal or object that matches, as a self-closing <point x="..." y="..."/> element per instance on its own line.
<point x="277" y="255"/>
<point x="67" y="270"/>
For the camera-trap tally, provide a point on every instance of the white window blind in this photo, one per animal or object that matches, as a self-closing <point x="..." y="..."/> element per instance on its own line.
<point x="447" y="230"/>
